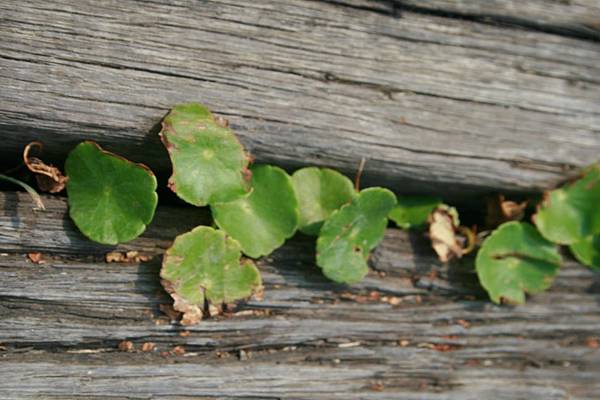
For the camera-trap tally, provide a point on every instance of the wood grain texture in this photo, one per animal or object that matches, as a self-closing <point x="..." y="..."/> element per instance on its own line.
<point x="577" y="18"/>
<point x="436" y="104"/>
<point x="60" y="323"/>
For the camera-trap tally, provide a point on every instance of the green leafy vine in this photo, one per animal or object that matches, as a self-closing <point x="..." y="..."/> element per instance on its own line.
<point x="257" y="208"/>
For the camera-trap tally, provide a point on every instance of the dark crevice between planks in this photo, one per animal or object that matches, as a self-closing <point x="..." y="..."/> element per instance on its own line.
<point x="395" y="8"/>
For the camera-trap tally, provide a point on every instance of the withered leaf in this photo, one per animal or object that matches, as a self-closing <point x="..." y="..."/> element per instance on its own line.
<point x="500" y="210"/>
<point x="49" y="178"/>
<point x="204" y="265"/>
<point x="443" y="223"/>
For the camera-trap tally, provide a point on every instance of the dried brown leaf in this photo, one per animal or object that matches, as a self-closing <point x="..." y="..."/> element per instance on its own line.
<point x="49" y="178"/>
<point x="170" y="312"/>
<point x="192" y="314"/>
<point x="500" y="210"/>
<point x="442" y="232"/>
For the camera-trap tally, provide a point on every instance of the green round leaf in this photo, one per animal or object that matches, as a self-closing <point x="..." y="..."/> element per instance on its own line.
<point x="412" y="212"/>
<point x="515" y="259"/>
<point x="587" y="251"/>
<point x="209" y="163"/>
<point x="572" y="213"/>
<point x="351" y="232"/>
<point x="320" y="192"/>
<point x="111" y="199"/>
<point x="205" y="264"/>
<point x="264" y="219"/>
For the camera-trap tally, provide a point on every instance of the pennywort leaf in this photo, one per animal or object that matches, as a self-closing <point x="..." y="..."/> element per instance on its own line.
<point x="411" y="212"/>
<point x="572" y="213"/>
<point x="209" y="163"/>
<point x="587" y="251"/>
<point x="320" y="192"/>
<point x="204" y="264"/>
<point x="514" y="260"/>
<point x="351" y="232"/>
<point x="262" y="220"/>
<point x="111" y="199"/>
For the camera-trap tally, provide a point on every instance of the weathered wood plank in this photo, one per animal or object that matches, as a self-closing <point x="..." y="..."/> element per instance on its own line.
<point x="437" y="104"/>
<point x="60" y="323"/>
<point x="579" y="18"/>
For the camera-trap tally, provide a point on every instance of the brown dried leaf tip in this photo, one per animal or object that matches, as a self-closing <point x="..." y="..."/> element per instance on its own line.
<point x="442" y="232"/>
<point x="192" y="314"/>
<point x="170" y="312"/>
<point x="500" y="210"/>
<point x="49" y="178"/>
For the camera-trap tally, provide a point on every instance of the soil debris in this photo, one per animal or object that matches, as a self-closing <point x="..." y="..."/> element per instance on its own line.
<point x="126" y="257"/>
<point x="126" y="346"/>
<point x="36" y="258"/>
<point x="148" y="347"/>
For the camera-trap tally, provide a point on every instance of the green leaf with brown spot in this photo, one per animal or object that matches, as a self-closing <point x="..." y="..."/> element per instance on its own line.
<point x="209" y="163"/>
<point x="514" y="260"/>
<point x="205" y="264"/>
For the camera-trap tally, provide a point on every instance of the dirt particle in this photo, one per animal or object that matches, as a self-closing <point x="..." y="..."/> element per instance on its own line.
<point x="592" y="343"/>
<point x="148" y="347"/>
<point x="126" y="346"/>
<point x="36" y="258"/>
<point x="444" y="347"/>
<point x="178" y="350"/>
<point x="184" y="333"/>
<point x="377" y="386"/>
<point x="127" y="257"/>
<point x="244" y="355"/>
<point x="465" y="324"/>
<point x="403" y="342"/>
<point x="473" y="363"/>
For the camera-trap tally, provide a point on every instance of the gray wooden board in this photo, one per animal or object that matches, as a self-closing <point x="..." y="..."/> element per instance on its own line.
<point x="436" y="104"/>
<point x="61" y="321"/>
<point x="578" y="18"/>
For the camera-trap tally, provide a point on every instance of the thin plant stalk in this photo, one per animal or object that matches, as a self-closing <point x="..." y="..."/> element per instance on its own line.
<point x="39" y="205"/>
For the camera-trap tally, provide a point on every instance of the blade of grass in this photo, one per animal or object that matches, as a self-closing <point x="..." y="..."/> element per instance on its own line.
<point x="34" y="195"/>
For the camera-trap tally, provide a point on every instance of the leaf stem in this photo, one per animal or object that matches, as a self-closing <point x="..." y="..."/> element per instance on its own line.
<point x="471" y="238"/>
<point x="359" y="172"/>
<point x="34" y="195"/>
